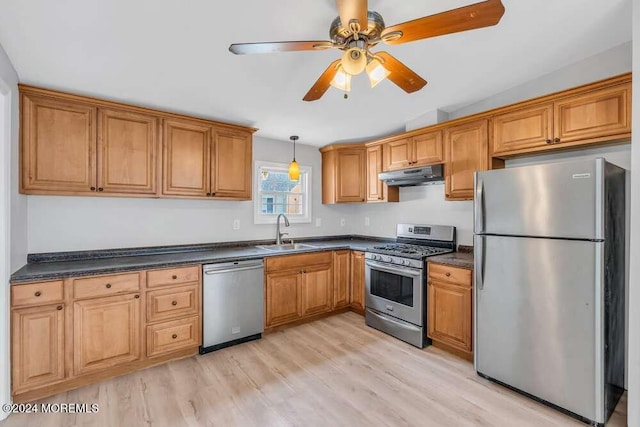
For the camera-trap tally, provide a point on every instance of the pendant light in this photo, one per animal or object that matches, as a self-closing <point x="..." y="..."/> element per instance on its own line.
<point x="294" y="169"/>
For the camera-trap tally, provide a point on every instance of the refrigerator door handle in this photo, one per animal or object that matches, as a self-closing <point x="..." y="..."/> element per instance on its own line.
<point x="479" y="262"/>
<point x="479" y="204"/>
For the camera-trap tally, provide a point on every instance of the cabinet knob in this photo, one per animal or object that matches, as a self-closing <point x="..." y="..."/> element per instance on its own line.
<point x="174" y="277"/>
<point x="556" y="140"/>
<point x="38" y="293"/>
<point x="59" y="308"/>
<point x="213" y="194"/>
<point x="174" y="336"/>
<point x="174" y="302"/>
<point x="137" y="297"/>
<point x="100" y="189"/>
<point x="108" y="285"/>
<point x="549" y="141"/>
<point x="93" y="188"/>
<point x="208" y="194"/>
<point x="447" y="274"/>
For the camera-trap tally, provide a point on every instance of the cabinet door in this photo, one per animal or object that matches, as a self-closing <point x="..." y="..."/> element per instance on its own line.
<point x="398" y="154"/>
<point x="517" y="131"/>
<point x="127" y="147"/>
<point x="427" y="149"/>
<point x="37" y="347"/>
<point x="597" y="114"/>
<point x="350" y="177"/>
<point x="106" y="332"/>
<point x="58" y="145"/>
<point x="317" y="290"/>
<point x="186" y="158"/>
<point x="466" y="151"/>
<point x="375" y="187"/>
<point x="341" y="278"/>
<point x="357" y="280"/>
<point x="283" y="297"/>
<point x="449" y="314"/>
<point x="231" y="164"/>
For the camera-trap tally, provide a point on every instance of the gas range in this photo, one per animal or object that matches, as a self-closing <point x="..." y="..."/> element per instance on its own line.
<point x="408" y="250"/>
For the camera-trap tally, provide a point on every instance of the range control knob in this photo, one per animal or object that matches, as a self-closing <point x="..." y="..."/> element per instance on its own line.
<point x="389" y="259"/>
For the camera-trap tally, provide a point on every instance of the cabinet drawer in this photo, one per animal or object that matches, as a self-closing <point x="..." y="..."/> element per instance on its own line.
<point x="173" y="276"/>
<point x="172" y="336"/>
<point x="37" y="293"/>
<point x="106" y="285"/>
<point x="446" y="273"/>
<point x="288" y="262"/>
<point x="173" y="302"/>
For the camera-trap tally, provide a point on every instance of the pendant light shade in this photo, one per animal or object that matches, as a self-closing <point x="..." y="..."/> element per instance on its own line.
<point x="294" y="169"/>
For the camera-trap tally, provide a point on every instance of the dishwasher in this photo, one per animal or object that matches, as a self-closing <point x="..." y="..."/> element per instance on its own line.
<point x="232" y="304"/>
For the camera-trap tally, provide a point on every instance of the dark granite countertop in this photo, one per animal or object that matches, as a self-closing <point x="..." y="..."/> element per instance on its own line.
<point x="54" y="266"/>
<point x="463" y="259"/>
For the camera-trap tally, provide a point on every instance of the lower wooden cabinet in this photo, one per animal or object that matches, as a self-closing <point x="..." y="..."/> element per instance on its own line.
<point x="449" y="308"/>
<point x="283" y="297"/>
<point x="38" y="346"/>
<point x="357" y="295"/>
<point x="70" y="333"/>
<point x="341" y="278"/>
<point x="106" y="332"/>
<point x="317" y="289"/>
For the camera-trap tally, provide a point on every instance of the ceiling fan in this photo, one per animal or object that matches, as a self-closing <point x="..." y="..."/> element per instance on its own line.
<point x="356" y="30"/>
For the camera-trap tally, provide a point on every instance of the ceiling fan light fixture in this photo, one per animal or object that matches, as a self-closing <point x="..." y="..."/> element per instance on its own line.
<point x="342" y="80"/>
<point x="376" y="72"/>
<point x="354" y="61"/>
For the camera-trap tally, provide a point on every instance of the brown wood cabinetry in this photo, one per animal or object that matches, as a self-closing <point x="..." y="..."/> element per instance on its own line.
<point x="283" y="297"/>
<point x="343" y="174"/>
<point x="66" y="334"/>
<point x="317" y="289"/>
<point x="449" y="310"/>
<point x="74" y="145"/>
<point x="38" y="346"/>
<point x="466" y="151"/>
<point x="357" y="296"/>
<point x="523" y="129"/>
<point x="419" y="150"/>
<point x="377" y="191"/>
<point x="341" y="278"/>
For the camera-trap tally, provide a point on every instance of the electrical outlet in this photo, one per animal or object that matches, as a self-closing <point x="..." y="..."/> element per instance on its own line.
<point x="236" y="224"/>
<point x="367" y="222"/>
<point x="318" y="222"/>
<point x="343" y="222"/>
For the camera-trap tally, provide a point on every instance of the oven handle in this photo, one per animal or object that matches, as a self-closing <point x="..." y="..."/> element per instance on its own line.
<point x="407" y="271"/>
<point x="391" y="320"/>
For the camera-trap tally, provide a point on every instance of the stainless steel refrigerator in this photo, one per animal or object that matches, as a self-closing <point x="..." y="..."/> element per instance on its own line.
<point x="549" y="291"/>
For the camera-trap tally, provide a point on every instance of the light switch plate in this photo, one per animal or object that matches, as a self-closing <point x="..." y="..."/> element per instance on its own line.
<point x="236" y="224"/>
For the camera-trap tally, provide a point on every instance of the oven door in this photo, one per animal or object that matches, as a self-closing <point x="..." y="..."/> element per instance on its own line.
<point x="396" y="291"/>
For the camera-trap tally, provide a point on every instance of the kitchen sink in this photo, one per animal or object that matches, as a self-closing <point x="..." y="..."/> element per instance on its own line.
<point x="286" y="247"/>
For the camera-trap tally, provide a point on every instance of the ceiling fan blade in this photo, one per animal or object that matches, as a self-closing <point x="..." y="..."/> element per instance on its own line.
<point x="353" y="9"/>
<point x="274" y="47"/>
<point x="323" y="83"/>
<point x="478" y="15"/>
<point x="401" y="75"/>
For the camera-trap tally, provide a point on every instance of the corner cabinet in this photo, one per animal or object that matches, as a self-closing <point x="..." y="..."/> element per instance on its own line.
<point x="343" y="174"/>
<point x="78" y="146"/>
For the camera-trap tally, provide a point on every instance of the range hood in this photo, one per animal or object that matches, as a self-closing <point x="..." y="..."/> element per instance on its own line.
<point x="424" y="175"/>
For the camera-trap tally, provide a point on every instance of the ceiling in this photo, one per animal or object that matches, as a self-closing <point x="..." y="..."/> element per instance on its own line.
<point x="173" y="55"/>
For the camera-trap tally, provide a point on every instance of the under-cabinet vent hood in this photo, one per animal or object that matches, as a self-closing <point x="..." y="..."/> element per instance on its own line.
<point x="424" y="175"/>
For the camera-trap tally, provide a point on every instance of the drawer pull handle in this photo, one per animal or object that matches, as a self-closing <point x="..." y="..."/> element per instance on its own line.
<point x="174" y="302"/>
<point x="59" y="308"/>
<point x="174" y="336"/>
<point x="174" y="277"/>
<point x="448" y="274"/>
<point x="108" y="285"/>
<point x="38" y="293"/>
<point x="137" y="296"/>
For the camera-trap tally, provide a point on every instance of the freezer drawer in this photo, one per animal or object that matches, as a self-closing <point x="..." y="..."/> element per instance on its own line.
<point x="539" y="319"/>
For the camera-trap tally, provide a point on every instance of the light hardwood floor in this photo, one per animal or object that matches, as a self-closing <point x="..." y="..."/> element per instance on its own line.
<point x="331" y="372"/>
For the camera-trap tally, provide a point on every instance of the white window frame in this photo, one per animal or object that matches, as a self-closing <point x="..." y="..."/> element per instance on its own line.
<point x="258" y="216"/>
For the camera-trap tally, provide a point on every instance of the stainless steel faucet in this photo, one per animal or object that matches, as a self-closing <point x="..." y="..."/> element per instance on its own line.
<point x="278" y="233"/>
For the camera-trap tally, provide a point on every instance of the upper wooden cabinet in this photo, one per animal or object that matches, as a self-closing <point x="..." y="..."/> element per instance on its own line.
<point x="584" y="118"/>
<point x="58" y="146"/>
<point x="466" y="151"/>
<point x="343" y="174"/>
<point x="419" y="150"/>
<point x="377" y="191"/>
<point x="73" y="145"/>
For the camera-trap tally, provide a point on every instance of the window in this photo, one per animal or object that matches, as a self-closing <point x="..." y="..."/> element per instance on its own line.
<point x="276" y="193"/>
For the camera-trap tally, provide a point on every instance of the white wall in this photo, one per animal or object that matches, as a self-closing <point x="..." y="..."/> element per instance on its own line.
<point x="633" y="363"/>
<point x="78" y="223"/>
<point x="13" y="232"/>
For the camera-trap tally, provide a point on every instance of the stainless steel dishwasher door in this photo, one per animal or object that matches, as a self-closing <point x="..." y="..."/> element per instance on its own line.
<point x="232" y="304"/>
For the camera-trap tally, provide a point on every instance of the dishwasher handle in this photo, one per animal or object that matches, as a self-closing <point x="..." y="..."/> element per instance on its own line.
<point x="232" y="269"/>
